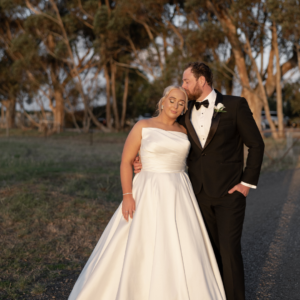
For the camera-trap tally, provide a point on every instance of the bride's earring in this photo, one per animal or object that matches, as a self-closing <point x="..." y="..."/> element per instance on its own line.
<point x="182" y="113"/>
<point x="162" y="107"/>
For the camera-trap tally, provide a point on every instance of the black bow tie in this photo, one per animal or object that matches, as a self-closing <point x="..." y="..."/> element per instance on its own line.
<point x="205" y="103"/>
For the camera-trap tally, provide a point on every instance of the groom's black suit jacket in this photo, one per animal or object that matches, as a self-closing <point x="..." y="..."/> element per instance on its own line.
<point x="219" y="165"/>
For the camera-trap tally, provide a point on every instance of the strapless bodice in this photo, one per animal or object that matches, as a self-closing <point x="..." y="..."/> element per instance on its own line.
<point x="163" y="151"/>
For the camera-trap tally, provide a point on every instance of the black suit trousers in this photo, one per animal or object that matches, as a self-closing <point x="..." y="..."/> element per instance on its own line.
<point x="224" y="219"/>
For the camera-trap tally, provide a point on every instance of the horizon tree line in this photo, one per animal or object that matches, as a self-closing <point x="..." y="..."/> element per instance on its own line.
<point x="61" y="52"/>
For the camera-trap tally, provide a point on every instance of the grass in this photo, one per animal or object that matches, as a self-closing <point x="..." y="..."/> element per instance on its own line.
<point x="277" y="157"/>
<point x="57" y="195"/>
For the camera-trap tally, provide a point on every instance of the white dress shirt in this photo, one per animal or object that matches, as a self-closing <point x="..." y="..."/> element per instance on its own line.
<point x="201" y="120"/>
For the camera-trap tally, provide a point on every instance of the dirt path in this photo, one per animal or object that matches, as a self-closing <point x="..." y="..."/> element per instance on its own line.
<point x="271" y="242"/>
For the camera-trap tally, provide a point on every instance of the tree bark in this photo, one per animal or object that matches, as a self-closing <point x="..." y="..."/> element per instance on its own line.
<point x="59" y="109"/>
<point x="125" y="95"/>
<point x="262" y="58"/>
<point x="10" y="106"/>
<point x="113" y="88"/>
<point x="165" y="47"/>
<point x="59" y="114"/>
<point x="2" y="123"/>
<point x="108" y="108"/>
<point x="278" y="85"/>
<point x="270" y="84"/>
<point x="298" y="55"/>
<point x="262" y="90"/>
<point x="229" y="82"/>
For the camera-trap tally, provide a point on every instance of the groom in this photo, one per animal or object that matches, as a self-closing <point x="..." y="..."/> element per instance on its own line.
<point x="216" y="167"/>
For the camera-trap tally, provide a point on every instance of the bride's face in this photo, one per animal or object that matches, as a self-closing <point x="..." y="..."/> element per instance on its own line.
<point x="174" y="104"/>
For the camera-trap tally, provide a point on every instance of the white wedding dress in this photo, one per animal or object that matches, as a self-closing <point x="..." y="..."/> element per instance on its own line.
<point x="164" y="252"/>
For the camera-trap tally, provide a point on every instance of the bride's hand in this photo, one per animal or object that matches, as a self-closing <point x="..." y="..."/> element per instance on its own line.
<point x="128" y="206"/>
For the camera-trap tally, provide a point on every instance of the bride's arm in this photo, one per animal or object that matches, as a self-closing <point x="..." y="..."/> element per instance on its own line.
<point x="131" y="148"/>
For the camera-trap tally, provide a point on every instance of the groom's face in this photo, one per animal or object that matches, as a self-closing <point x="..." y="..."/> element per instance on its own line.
<point x="191" y="85"/>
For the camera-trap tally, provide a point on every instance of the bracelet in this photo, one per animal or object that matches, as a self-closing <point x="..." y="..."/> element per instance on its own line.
<point x="127" y="194"/>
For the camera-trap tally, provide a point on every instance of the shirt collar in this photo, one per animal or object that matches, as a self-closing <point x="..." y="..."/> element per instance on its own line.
<point x="211" y="97"/>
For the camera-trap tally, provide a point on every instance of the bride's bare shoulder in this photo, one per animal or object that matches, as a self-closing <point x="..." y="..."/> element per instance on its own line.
<point x="138" y="127"/>
<point x="143" y="123"/>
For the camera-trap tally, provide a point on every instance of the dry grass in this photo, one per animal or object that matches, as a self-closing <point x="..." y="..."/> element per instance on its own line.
<point x="277" y="157"/>
<point x="56" y="197"/>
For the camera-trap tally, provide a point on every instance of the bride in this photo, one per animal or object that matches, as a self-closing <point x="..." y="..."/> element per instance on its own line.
<point x="155" y="246"/>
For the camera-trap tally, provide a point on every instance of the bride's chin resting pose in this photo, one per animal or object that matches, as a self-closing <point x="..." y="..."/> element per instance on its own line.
<point x="155" y="246"/>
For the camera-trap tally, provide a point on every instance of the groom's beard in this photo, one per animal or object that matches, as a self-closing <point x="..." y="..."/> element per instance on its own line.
<point x="196" y="94"/>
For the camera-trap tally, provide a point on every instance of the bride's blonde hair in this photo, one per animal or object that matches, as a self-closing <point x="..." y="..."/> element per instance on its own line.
<point x="166" y="94"/>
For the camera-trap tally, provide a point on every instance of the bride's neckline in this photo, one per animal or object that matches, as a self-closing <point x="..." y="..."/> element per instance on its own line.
<point x="164" y="130"/>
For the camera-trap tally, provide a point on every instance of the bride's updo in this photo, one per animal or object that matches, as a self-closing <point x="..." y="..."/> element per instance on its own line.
<point x="166" y="94"/>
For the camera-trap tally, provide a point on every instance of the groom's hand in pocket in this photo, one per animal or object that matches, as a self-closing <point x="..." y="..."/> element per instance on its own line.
<point x="240" y="188"/>
<point x="137" y="165"/>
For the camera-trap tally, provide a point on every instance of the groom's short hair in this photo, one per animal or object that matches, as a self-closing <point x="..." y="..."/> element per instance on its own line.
<point x="201" y="69"/>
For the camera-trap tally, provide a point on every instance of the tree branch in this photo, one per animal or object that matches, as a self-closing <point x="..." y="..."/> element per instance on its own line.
<point x="38" y="12"/>
<point x="84" y="12"/>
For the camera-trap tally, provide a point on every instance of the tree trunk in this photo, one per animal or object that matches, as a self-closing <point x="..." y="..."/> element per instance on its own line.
<point x="113" y="88"/>
<point x="59" y="112"/>
<point x="108" y="109"/>
<point x="59" y="109"/>
<point x="252" y="96"/>
<point x="96" y="122"/>
<point x="125" y="94"/>
<point x="230" y="30"/>
<point x="2" y="116"/>
<point x="262" y="58"/>
<point x="262" y="90"/>
<point x="257" y="108"/>
<point x="165" y="47"/>
<point x="10" y="106"/>
<point x="229" y="81"/>
<point x="298" y="55"/>
<point x="278" y="85"/>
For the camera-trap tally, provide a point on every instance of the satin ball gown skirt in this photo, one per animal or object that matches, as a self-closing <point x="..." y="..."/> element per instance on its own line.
<point x="164" y="252"/>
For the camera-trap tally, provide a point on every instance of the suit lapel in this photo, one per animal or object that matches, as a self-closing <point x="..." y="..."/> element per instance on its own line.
<point x="190" y="126"/>
<point x="215" y="121"/>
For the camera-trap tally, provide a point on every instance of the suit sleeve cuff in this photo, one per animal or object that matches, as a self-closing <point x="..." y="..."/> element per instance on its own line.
<point x="248" y="185"/>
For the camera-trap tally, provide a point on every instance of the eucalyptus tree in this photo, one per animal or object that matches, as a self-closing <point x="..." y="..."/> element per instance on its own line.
<point x="245" y="24"/>
<point x="8" y="90"/>
<point x="285" y="17"/>
<point x="114" y="33"/>
<point x="11" y="81"/>
<point x="60" y="35"/>
<point x="61" y="49"/>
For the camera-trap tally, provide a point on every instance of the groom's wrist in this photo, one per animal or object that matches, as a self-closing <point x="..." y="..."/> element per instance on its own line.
<point x="248" y="185"/>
